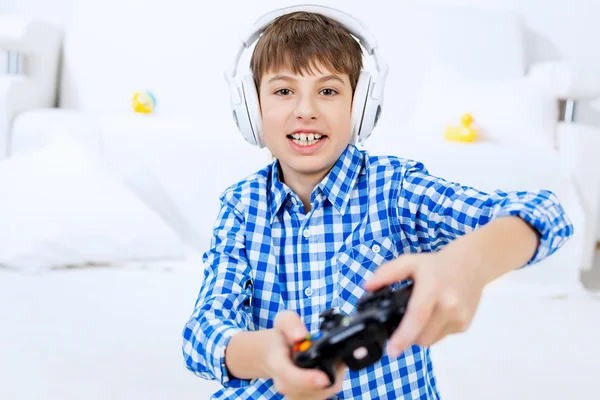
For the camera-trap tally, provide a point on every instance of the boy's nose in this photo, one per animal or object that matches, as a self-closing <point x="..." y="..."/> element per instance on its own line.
<point x="306" y="108"/>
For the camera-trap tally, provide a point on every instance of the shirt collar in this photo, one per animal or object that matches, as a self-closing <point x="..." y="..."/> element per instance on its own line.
<point x="338" y="183"/>
<point x="279" y="190"/>
<point x="336" y="186"/>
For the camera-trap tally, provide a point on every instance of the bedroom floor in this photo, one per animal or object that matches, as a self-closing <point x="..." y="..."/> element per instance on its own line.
<point x="104" y="333"/>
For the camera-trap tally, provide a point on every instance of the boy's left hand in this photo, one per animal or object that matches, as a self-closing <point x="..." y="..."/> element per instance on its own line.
<point x="446" y="293"/>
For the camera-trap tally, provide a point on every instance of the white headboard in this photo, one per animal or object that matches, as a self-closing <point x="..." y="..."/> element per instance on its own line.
<point x="29" y="69"/>
<point x="479" y="42"/>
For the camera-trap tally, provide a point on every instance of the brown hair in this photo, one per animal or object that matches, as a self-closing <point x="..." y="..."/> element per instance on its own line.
<point x="301" y="40"/>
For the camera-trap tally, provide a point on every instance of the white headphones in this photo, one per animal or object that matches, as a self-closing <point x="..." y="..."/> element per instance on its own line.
<point x="368" y="95"/>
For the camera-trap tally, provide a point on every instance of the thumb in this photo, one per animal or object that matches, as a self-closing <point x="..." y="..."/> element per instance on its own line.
<point x="391" y="272"/>
<point x="291" y="326"/>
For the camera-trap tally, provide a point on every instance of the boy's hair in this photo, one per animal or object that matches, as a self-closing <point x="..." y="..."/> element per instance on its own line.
<point x="300" y="41"/>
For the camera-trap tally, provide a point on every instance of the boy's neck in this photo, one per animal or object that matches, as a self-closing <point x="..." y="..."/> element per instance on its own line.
<point x="302" y="184"/>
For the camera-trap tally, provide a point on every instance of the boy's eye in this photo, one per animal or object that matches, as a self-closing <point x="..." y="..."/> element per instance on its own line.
<point x="326" y="92"/>
<point x="329" y="92"/>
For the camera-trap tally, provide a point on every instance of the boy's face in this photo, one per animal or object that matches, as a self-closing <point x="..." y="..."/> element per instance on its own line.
<point x="306" y="120"/>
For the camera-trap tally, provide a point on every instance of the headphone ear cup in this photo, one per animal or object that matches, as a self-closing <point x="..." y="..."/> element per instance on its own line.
<point x="253" y="110"/>
<point x="240" y="113"/>
<point x="358" y="105"/>
<point x="370" y="109"/>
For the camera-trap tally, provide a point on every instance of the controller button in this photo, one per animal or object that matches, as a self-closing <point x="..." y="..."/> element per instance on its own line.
<point x="360" y="353"/>
<point x="304" y="345"/>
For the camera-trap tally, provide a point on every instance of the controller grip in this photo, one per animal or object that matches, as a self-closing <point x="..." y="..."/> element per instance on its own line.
<point x="328" y="366"/>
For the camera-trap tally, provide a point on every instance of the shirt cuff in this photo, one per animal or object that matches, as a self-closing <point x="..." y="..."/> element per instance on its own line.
<point x="539" y="222"/>
<point x="221" y="373"/>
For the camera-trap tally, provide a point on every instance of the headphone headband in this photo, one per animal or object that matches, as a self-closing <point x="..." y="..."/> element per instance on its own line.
<point x="352" y="24"/>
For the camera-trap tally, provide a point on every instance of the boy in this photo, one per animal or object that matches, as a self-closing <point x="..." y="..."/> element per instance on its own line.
<point x="326" y="222"/>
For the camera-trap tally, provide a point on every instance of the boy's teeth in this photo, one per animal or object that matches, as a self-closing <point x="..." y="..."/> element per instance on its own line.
<point x="306" y="136"/>
<point x="306" y="139"/>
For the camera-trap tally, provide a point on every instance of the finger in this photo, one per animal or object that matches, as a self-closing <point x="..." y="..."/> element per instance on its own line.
<point x="340" y="374"/>
<point x="294" y="379"/>
<point x="417" y="316"/>
<point x="291" y="326"/>
<point x="436" y="328"/>
<point x="448" y="318"/>
<point x="442" y="334"/>
<point x="391" y="272"/>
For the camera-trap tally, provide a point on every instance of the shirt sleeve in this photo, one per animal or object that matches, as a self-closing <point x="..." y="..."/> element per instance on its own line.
<point x="223" y="305"/>
<point x="433" y="211"/>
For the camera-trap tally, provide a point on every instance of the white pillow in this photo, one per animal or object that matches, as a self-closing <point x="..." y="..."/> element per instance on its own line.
<point x="181" y="165"/>
<point x="61" y="206"/>
<point x="515" y="112"/>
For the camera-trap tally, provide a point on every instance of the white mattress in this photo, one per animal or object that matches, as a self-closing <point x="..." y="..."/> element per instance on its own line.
<point x="114" y="333"/>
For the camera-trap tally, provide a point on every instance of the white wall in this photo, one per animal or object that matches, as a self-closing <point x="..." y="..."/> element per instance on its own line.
<point x="179" y="48"/>
<point x="58" y="11"/>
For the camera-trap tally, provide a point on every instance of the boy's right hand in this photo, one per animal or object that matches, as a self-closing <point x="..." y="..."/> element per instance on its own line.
<point x="292" y="381"/>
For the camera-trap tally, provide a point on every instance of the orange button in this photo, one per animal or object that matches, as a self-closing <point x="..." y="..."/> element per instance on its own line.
<point x="304" y="345"/>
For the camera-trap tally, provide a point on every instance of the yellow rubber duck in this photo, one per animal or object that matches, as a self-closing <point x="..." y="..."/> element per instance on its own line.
<point x="464" y="133"/>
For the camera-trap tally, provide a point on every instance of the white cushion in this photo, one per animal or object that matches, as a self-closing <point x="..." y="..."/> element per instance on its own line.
<point x="512" y="111"/>
<point x="60" y="206"/>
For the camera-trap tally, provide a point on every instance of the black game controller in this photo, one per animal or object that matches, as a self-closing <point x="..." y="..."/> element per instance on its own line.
<point x="358" y="339"/>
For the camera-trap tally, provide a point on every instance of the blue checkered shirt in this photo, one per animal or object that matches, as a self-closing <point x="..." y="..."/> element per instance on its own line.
<point x="268" y="255"/>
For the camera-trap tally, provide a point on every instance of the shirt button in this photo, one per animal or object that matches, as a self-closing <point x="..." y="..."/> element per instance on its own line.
<point x="306" y="233"/>
<point x="308" y="291"/>
<point x="376" y="248"/>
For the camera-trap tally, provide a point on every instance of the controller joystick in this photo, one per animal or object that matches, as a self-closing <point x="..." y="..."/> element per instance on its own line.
<point x="330" y="319"/>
